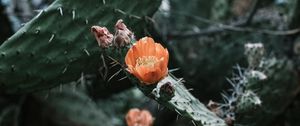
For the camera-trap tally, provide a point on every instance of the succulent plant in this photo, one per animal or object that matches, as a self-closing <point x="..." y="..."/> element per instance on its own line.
<point x="55" y="47"/>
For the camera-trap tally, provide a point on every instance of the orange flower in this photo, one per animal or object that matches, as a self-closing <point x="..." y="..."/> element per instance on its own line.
<point x="147" y="60"/>
<point x="136" y="117"/>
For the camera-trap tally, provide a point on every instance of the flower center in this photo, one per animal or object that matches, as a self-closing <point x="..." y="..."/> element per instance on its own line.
<point x="147" y="61"/>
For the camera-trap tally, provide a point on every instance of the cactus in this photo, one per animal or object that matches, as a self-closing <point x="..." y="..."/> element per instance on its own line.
<point x="56" y="46"/>
<point x="161" y="85"/>
<point x="46" y="53"/>
<point x="182" y="101"/>
<point x="278" y="72"/>
<point x="253" y="85"/>
<point x="66" y="105"/>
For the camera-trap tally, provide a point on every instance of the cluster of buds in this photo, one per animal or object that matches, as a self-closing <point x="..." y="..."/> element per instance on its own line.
<point x="146" y="59"/>
<point x="123" y="36"/>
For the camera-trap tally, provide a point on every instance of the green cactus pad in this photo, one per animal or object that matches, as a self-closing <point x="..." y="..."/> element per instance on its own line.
<point x="56" y="46"/>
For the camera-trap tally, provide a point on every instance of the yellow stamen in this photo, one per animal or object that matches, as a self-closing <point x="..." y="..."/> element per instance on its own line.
<point x="147" y="61"/>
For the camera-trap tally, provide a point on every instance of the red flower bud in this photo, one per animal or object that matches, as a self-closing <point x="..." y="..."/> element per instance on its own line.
<point x="123" y="35"/>
<point x="102" y="35"/>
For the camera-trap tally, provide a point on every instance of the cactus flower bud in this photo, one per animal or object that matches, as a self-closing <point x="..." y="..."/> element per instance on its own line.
<point x="102" y="35"/>
<point x="136" y="117"/>
<point x="123" y="35"/>
<point x="148" y="61"/>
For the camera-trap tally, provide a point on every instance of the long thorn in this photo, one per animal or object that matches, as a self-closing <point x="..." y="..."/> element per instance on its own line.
<point x="115" y="74"/>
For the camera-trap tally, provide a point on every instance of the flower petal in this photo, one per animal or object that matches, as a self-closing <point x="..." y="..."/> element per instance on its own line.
<point x="159" y="50"/>
<point x="146" y="118"/>
<point x="152" y="75"/>
<point x="131" y="116"/>
<point x="166" y="58"/>
<point x="136" y="52"/>
<point x="129" y="58"/>
<point x="151" y="47"/>
<point x="146" y="46"/>
<point x="137" y="72"/>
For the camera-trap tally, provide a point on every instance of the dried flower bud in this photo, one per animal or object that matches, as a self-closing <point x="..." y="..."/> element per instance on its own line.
<point x="102" y="35"/>
<point x="215" y="108"/>
<point x="136" y="117"/>
<point x="121" y="39"/>
<point x="123" y="35"/>
<point x="167" y="91"/>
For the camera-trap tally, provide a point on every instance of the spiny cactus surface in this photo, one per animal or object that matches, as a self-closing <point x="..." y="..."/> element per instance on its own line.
<point x="182" y="101"/>
<point x="281" y="84"/>
<point x="56" y="46"/>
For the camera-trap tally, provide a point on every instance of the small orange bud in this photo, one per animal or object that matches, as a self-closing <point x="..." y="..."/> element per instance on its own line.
<point x="136" y="117"/>
<point x="103" y="36"/>
<point x="147" y="60"/>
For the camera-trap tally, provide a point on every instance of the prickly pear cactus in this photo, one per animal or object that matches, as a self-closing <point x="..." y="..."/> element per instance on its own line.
<point x="280" y="73"/>
<point x="159" y="85"/>
<point x="172" y="93"/>
<point x="66" y="105"/>
<point x="56" y="46"/>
